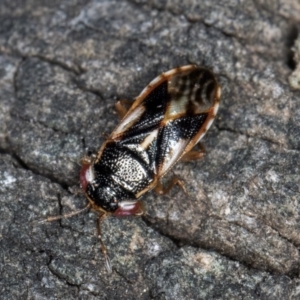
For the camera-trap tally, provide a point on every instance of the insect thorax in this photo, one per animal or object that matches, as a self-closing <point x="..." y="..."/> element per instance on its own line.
<point x="119" y="175"/>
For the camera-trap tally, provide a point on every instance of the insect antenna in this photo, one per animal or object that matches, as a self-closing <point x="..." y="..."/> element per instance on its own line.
<point x="99" y="235"/>
<point x="64" y="216"/>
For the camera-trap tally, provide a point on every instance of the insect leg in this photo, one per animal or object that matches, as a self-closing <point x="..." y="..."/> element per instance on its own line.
<point x="65" y="216"/>
<point x="194" y="154"/>
<point x="87" y="160"/>
<point x="103" y="248"/>
<point x="159" y="189"/>
<point x="122" y="107"/>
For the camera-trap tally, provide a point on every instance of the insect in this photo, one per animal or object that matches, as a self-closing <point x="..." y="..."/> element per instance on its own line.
<point x="164" y="123"/>
<point x="162" y="126"/>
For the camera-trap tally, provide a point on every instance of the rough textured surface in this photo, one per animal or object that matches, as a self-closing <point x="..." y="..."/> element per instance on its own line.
<point x="235" y="236"/>
<point x="294" y="78"/>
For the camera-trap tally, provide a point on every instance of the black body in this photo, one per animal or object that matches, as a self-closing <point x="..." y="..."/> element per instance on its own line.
<point x="153" y="136"/>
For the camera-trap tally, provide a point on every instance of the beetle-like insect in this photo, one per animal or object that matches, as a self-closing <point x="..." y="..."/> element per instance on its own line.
<point x="162" y="126"/>
<point x="164" y="123"/>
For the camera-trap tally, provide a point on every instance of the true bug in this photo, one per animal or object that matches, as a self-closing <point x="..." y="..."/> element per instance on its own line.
<point x="164" y="123"/>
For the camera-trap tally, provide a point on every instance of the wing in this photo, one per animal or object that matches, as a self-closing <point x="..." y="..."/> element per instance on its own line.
<point x="169" y="117"/>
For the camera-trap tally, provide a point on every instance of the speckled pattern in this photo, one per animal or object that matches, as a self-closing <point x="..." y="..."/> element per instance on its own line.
<point x="63" y="65"/>
<point x="167" y="120"/>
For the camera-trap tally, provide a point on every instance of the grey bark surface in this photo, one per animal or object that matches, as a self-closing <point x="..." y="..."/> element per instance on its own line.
<point x="236" y="235"/>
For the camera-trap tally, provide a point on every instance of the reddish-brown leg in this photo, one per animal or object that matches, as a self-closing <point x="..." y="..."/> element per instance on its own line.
<point x="159" y="189"/>
<point x="105" y="135"/>
<point x="103" y="247"/>
<point x="194" y="154"/>
<point x="122" y="107"/>
<point x="76" y="190"/>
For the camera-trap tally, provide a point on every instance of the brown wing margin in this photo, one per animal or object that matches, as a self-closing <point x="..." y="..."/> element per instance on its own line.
<point x="194" y="101"/>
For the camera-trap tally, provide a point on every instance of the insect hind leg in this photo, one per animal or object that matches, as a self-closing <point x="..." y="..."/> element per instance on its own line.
<point x="159" y="189"/>
<point x="194" y="154"/>
<point x="122" y="107"/>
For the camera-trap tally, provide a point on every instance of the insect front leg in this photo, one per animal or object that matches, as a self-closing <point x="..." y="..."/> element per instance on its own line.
<point x="103" y="247"/>
<point x="159" y="189"/>
<point x="122" y="107"/>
